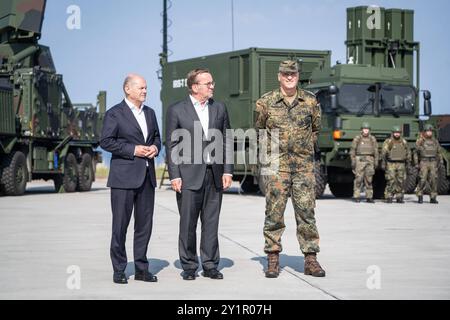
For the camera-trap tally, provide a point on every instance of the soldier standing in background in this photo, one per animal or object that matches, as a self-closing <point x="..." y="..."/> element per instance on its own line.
<point x="296" y="115"/>
<point x="395" y="159"/>
<point x="364" y="156"/>
<point x="427" y="159"/>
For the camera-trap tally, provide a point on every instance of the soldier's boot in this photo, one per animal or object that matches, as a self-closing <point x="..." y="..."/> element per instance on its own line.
<point x="370" y="200"/>
<point x="400" y="200"/>
<point x="273" y="266"/>
<point x="389" y="200"/>
<point x="312" y="266"/>
<point x="433" y="200"/>
<point x="420" y="199"/>
<point x="357" y="200"/>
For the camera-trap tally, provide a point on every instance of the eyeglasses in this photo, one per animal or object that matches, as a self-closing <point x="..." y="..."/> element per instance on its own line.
<point x="289" y="74"/>
<point x="209" y="84"/>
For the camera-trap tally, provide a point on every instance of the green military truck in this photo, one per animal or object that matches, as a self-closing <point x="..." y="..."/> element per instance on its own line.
<point x="42" y="134"/>
<point x="376" y="85"/>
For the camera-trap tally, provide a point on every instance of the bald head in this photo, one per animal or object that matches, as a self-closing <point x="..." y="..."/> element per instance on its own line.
<point x="135" y="88"/>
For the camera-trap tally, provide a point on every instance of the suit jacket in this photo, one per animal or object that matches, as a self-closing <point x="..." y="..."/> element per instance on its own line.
<point x="121" y="133"/>
<point x="192" y="170"/>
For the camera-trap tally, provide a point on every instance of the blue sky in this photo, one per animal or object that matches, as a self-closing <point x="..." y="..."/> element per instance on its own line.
<point x="117" y="37"/>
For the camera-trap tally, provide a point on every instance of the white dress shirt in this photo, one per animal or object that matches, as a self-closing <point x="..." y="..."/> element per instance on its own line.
<point x="139" y="114"/>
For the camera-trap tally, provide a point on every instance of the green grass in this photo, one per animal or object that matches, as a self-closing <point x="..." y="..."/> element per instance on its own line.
<point x="103" y="171"/>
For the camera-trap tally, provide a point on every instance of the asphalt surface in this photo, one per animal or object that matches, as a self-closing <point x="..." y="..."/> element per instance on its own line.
<point x="56" y="246"/>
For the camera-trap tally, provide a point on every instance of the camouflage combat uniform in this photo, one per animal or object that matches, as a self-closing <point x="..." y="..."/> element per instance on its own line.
<point x="428" y="157"/>
<point x="364" y="156"/>
<point x="396" y="158"/>
<point x="298" y="124"/>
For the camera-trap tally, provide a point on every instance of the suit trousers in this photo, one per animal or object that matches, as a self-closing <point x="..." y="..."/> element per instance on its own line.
<point x="206" y="204"/>
<point x="122" y="202"/>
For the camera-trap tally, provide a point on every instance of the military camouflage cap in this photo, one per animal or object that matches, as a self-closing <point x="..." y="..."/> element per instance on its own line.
<point x="288" y="66"/>
<point x="396" y="129"/>
<point x="365" y="125"/>
<point x="428" y="127"/>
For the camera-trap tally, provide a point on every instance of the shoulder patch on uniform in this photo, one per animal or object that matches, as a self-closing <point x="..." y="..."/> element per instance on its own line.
<point x="308" y="93"/>
<point x="267" y="94"/>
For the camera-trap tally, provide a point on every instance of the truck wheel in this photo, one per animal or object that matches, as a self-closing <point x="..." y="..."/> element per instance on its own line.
<point x="321" y="179"/>
<point x="70" y="177"/>
<point x="341" y="190"/>
<point x="85" y="173"/>
<point x="411" y="180"/>
<point x="15" y="174"/>
<point x="443" y="183"/>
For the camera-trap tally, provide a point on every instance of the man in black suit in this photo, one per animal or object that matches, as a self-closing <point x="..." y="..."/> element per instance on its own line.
<point x="131" y="134"/>
<point x="199" y="154"/>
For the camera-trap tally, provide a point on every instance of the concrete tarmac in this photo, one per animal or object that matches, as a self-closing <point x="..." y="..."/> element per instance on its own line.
<point x="56" y="246"/>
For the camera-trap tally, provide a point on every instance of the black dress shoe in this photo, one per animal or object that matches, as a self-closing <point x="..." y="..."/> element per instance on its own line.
<point x="189" y="275"/>
<point x="213" y="274"/>
<point x="120" y="278"/>
<point x="145" y="276"/>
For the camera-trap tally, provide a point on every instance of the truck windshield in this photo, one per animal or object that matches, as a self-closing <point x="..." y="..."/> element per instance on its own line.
<point x="360" y="99"/>
<point x="397" y="99"/>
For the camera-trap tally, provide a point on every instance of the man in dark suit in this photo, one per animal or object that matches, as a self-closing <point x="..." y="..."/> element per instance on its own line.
<point x="200" y="161"/>
<point x="131" y="134"/>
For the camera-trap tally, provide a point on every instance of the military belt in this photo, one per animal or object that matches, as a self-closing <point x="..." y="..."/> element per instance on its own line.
<point x="429" y="159"/>
<point x="396" y="161"/>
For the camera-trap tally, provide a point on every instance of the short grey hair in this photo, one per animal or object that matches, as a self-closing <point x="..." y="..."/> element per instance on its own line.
<point x="130" y="79"/>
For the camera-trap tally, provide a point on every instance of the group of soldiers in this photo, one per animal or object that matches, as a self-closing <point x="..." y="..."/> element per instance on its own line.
<point x="396" y="158"/>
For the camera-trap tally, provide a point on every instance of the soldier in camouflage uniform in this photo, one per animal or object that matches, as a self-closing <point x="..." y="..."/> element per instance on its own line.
<point x="294" y="115"/>
<point x="427" y="158"/>
<point x="395" y="159"/>
<point x="364" y="156"/>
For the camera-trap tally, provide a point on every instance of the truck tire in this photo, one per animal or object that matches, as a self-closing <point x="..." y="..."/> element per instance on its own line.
<point x="411" y="180"/>
<point x="85" y="173"/>
<point x="70" y="177"/>
<point x="321" y="179"/>
<point x="341" y="190"/>
<point x="15" y="174"/>
<point x="443" y="183"/>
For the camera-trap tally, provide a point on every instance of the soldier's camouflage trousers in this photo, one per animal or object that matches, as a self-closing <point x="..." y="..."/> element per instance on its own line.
<point x="301" y="187"/>
<point x="428" y="173"/>
<point x="364" y="172"/>
<point x="395" y="178"/>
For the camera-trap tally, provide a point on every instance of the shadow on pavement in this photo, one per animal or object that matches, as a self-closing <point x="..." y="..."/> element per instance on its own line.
<point x="155" y="266"/>
<point x="296" y="263"/>
<point x="224" y="263"/>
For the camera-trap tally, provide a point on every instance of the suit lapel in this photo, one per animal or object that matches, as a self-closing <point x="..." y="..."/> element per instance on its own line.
<point x="191" y="110"/>
<point x="129" y="116"/>
<point x="148" y="118"/>
<point x="212" y="110"/>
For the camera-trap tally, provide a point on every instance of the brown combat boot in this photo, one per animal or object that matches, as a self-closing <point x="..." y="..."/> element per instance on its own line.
<point x="273" y="268"/>
<point x="312" y="266"/>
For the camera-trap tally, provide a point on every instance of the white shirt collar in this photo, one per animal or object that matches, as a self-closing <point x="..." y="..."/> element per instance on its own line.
<point x="133" y="107"/>
<point x="197" y="103"/>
